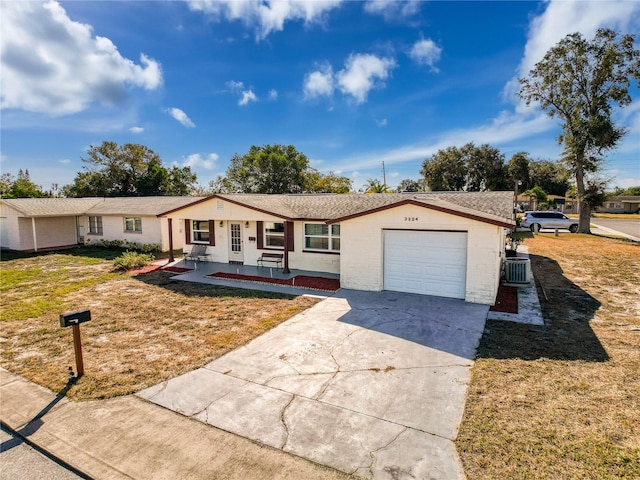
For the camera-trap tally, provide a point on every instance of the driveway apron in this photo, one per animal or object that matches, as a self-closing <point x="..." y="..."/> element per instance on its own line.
<point x="369" y="383"/>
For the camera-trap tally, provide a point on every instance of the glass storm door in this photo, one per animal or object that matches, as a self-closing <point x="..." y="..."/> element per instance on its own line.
<point x="235" y="243"/>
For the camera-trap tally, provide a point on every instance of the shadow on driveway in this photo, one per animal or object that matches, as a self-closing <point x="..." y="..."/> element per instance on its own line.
<point x="566" y="335"/>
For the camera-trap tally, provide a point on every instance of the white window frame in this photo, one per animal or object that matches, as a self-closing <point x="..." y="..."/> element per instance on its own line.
<point x="332" y="236"/>
<point x="267" y="235"/>
<point x="195" y="231"/>
<point x="137" y="224"/>
<point x="95" y="226"/>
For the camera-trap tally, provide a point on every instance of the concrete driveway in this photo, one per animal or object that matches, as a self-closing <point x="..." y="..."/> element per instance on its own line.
<point x="371" y="384"/>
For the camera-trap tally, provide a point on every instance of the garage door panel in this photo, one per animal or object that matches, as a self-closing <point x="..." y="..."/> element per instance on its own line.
<point x="429" y="263"/>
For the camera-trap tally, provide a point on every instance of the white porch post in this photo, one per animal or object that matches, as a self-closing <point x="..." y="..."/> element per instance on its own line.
<point x="35" y="237"/>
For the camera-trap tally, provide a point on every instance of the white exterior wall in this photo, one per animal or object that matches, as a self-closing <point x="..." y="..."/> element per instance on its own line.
<point x="50" y="231"/>
<point x="55" y="231"/>
<point x="361" y="259"/>
<point x="113" y="229"/>
<point x="220" y="210"/>
<point x="10" y="228"/>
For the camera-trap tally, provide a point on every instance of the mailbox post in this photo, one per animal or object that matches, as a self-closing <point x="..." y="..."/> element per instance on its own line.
<point x="74" y="320"/>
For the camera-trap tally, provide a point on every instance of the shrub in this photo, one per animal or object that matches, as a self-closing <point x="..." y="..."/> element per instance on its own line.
<point x="131" y="260"/>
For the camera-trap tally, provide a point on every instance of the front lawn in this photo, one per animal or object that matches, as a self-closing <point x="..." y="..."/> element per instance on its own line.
<point x="562" y="400"/>
<point x="144" y="329"/>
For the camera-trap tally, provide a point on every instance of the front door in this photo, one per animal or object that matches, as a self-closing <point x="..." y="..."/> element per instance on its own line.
<point x="235" y="243"/>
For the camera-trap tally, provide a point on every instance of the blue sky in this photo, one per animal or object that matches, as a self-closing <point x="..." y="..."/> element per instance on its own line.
<point x="349" y="83"/>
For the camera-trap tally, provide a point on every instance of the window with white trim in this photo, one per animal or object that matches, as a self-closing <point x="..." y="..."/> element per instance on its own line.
<point x="133" y="224"/>
<point x="200" y="231"/>
<point x="322" y="237"/>
<point x="95" y="225"/>
<point x="274" y="234"/>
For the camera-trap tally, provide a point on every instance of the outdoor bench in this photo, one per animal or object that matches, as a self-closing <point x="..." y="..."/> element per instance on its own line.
<point x="272" y="258"/>
<point x="198" y="252"/>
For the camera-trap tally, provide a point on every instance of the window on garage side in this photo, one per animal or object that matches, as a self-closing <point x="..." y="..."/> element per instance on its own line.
<point x="133" y="224"/>
<point x="200" y="231"/>
<point x="274" y="234"/>
<point x="95" y="225"/>
<point x="322" y="237"/>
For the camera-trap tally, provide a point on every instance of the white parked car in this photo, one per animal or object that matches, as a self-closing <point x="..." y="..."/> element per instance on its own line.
<point x="548" y="220"/>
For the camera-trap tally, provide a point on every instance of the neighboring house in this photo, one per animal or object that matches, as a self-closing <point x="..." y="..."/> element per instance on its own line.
<point x="621" y="204"/>
<point x="33" y="224"/>
<point x="560" y="204"/>
<point x="447" y="244"/>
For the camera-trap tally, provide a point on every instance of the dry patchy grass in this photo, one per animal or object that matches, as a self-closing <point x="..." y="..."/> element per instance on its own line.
<point x="144" y="329"/>
<point x="562" y="400"/>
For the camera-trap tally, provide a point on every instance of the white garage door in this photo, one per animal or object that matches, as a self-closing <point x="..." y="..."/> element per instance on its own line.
<point x="430" y="263"/>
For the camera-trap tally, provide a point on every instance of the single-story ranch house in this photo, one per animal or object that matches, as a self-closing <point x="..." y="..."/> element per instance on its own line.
<point x="447" y="244"/>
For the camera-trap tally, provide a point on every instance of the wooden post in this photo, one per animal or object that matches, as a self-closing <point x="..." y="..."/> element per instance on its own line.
<point x="77" y="345"/>
<point x="170" y="223"/>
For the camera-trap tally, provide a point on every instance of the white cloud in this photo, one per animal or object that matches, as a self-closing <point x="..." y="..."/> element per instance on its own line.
<point x="362" y="73"/>
<point x="266" y="16"/>
<point x="136" y="130"/>
<point x="52" y="64"/>
<point x="195" y="160"/>
<point x="319" y="83"/>
<point x="382" y="123"/>
<point x="64" y="161"/>
<point x="247" y="96"/>
<point x="235" y="86"/>
<point x="425" y="52"/>
<point x="562" y="18"/>
<point x="392" y="9"/>
<point x="181" y="117"/>
<point x="273" y="94"/>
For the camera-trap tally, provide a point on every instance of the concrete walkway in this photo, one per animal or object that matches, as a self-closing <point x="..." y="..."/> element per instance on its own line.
<point x="371" y="384"/>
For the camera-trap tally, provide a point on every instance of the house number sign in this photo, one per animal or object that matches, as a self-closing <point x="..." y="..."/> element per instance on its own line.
<point x="411" y="219"/>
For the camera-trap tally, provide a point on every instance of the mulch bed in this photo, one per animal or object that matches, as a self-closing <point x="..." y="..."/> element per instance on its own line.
<point x="153" y="268"/>
<point x="301" y="281"/>
<point x="507" y="300"/>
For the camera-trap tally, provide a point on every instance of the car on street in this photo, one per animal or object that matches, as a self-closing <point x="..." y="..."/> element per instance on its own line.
<point x="548" y="219"/>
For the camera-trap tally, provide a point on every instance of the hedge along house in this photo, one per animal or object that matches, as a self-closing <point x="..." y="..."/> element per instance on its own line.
<point x="33" y="224"/>
<point x="447" y="244"/>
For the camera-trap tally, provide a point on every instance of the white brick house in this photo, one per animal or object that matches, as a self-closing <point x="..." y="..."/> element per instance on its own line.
<point x="442" y="243"/>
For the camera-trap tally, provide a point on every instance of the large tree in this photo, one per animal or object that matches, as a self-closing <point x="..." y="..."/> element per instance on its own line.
<point x="580" y="81"/>
<point x="129" y="170"/>
<point x="21" y="187"/>
<point x="485" y="169"/>
<point x="316" y="182"/>
<point x="446" y="170"/>
<point x="467" y="168"/>
<point x="410" y="185"/>
<point x="268" y="169"/>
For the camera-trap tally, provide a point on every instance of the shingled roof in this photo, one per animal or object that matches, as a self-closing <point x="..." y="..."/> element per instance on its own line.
<point x="494" y="207"/>
<point x="57" y="207"/>
<point x="51" y="207"/>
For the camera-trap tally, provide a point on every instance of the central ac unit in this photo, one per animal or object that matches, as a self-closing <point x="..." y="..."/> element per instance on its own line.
<point x="517" y="270"/>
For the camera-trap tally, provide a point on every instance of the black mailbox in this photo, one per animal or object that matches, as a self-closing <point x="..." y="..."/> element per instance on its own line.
<point x="74" y="318"/>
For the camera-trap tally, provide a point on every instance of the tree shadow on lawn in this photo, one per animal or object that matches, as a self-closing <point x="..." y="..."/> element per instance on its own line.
<point x="566" y="335"/>
<point x="160" y="278"/>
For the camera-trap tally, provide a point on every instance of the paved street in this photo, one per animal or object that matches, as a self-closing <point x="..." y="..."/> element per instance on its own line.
<point x="628" y="226"/>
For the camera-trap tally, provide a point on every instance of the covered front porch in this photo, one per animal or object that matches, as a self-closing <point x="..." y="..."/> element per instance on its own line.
<point x="270" y="279"/>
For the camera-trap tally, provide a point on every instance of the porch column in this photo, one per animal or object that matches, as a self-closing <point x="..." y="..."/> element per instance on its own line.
<point x="170" y="223"/>
<point x="35" y="237"/>
<point x="286" y="248"/>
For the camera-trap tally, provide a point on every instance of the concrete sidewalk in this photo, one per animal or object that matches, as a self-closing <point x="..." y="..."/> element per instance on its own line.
<point x="127" y="438"/>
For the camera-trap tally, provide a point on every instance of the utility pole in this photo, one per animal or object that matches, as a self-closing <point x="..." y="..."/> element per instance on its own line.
<point x="384" y="174"/>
